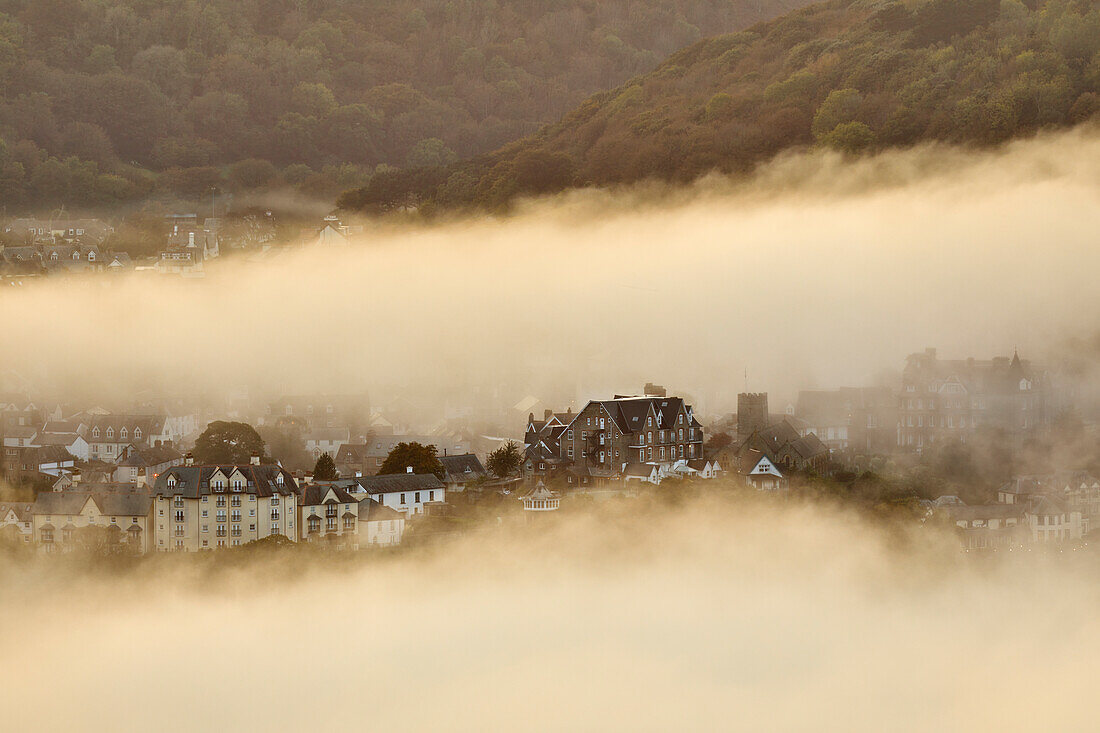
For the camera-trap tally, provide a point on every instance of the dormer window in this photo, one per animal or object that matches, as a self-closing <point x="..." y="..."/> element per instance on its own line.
<point x="91" y="257"/>
<point x="123" y="434"/>
<point x="171" y="482"/>
<point x="110" y="433"/>
<point x="95" y="432"/>
<point x="137" y="433"/>
<point x="76" y="255"/>
<point x="279" y="479"/>
<point x="53" y="256"/>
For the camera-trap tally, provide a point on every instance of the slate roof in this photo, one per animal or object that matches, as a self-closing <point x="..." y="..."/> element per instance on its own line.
<point x="130" y="504"/>
<point x="462" y="468"/>
<point x="374" y="511"/>
<point x="22" y="509"/>
<point x="152" y="456"/>
<point x="314" y="495"/>
<point x="194" y="481"/>
<point x="390" y="483"/>
<point x="639" y="469"/>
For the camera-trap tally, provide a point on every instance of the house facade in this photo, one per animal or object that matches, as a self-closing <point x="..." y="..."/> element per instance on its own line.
<point x="208" y="507"/>
<point x="607" y="436"/>
<point x="379" y="525"/>
<point x="329" y="515"/>
<point x="408" y="493"/>
<point x="67" y="520"/>
<point x="945" y="400"/>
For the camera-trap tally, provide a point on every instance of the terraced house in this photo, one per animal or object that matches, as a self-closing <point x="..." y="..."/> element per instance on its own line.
<point x="207" y="507"/>
<point x="607" y="436"/>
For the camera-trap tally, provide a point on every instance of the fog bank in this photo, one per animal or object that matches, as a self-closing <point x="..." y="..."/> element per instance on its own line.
<point x="816" y="272"/>
<point x="715" y="616"/>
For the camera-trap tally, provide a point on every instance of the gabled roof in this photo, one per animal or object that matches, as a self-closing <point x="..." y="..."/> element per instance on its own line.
<point x="194" y="481"/>
<point x="129" y="504"/>
<point x="315" y="494"/>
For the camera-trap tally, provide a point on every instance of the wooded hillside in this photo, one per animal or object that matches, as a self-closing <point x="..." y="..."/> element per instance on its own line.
<point x="108" y="101"/>
<point x="853" y="75"/>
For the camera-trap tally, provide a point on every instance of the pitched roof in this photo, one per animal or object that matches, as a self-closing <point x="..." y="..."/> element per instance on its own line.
<point x="129" y="504"/>
<point x="374" y="511"/>
<point x="389" y="483"/>
<point x="314" y="495"/>
<point x="194" y="481"/>
<point x="461" y="468"/>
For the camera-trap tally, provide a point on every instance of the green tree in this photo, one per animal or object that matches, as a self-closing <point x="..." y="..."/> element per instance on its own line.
<point x="850" y="137"/>
<point x="325" y="469"/>
<point x="228" y="443"/>
<point x="422" y="458"/>
<point x="505" y="460"/>
<point x="840" y="106"/>
<point x="430" y="153"/>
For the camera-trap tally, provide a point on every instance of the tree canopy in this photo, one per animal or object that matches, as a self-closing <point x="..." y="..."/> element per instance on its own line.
<point x="325" y="469"/>
<point x="422" y="458"/>
<point x="505" y="460"/>
<point x="228" y="443"/>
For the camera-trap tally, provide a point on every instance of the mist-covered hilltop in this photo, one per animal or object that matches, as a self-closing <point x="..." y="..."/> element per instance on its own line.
<point x="109" y="101"/>
<point x="856" y="75"/>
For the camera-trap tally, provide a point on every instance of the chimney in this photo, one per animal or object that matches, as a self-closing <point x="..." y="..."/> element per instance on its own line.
<point x="189" y="460"/>
<point x="546" y="414"/>
<point x="255" y="460"/>
<point x="408" y="469"/>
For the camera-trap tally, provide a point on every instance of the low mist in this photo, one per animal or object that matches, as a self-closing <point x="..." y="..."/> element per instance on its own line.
<point x="815" y="272"/>
<point x="712" y="615"/>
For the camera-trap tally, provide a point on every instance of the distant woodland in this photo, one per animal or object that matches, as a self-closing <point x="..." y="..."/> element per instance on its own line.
<point x="856" y="76"/>
<point x="110" y="102"/>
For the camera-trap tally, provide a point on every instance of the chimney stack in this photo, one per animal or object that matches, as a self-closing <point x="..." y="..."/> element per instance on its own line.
<point x="189" y="460"/>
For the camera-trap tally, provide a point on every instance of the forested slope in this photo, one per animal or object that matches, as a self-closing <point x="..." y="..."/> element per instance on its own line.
<point x="855" y="75"/>
<point x="107" y="101"/>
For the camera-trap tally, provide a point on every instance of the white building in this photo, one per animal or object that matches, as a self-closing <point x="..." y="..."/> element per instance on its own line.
<point x="409" y="493"/>
<point x="379" y="525"/>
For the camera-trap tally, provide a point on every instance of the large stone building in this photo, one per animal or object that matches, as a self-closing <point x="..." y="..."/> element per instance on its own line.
<point x="856" y="419"/>
<point x="949" y="399"/>
<point x="607" y="436"/>
<point x="206" y="507"/>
